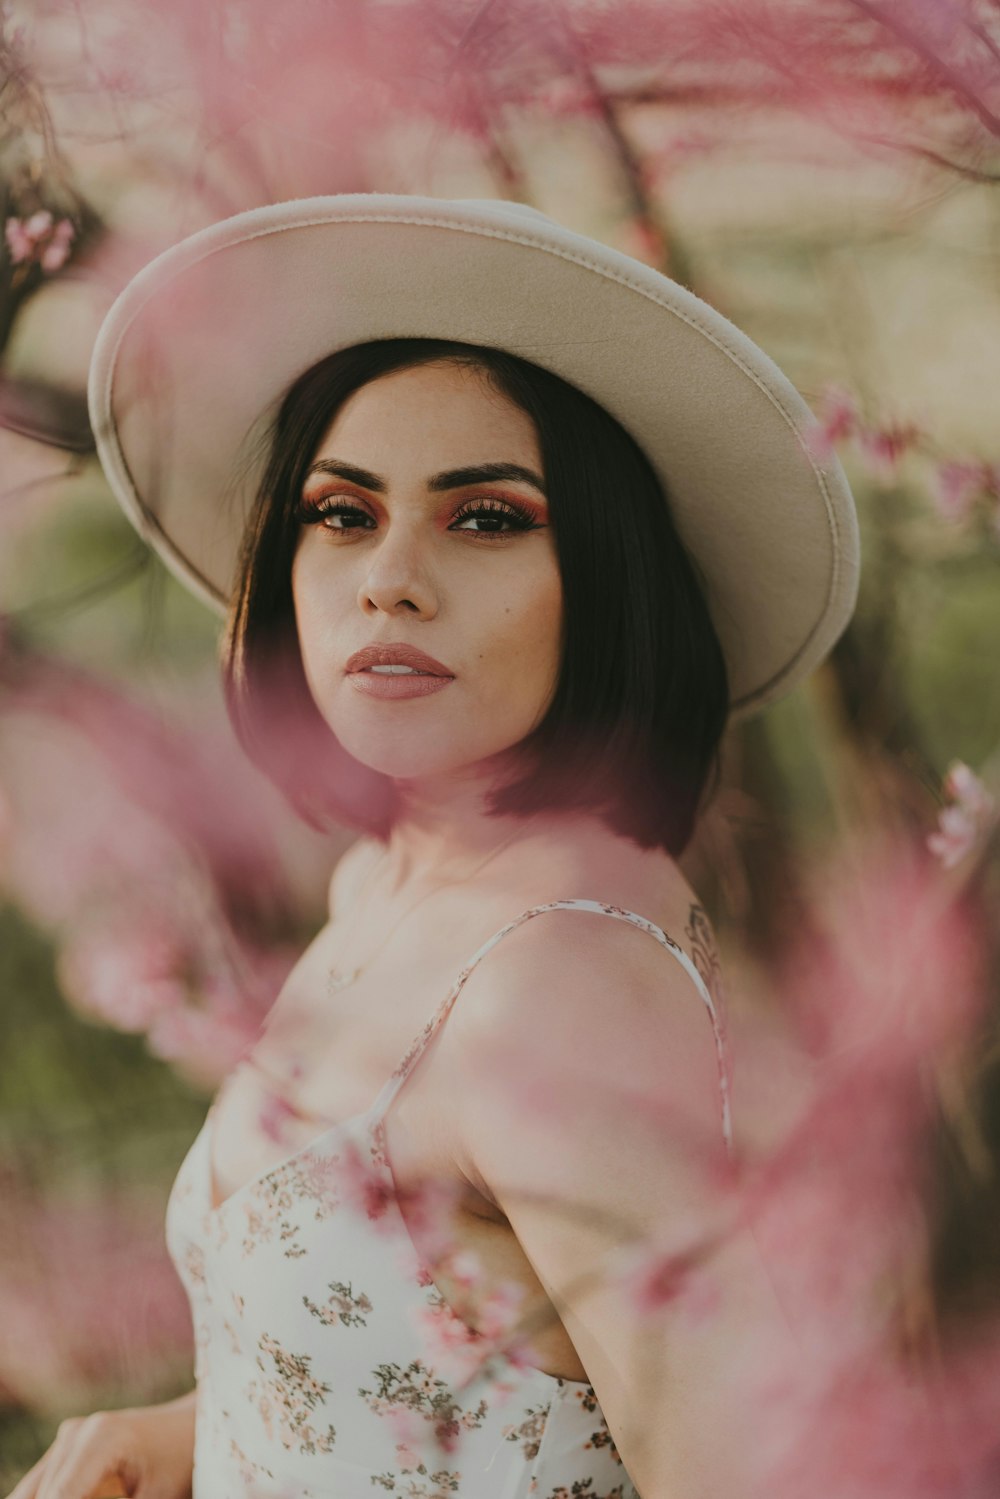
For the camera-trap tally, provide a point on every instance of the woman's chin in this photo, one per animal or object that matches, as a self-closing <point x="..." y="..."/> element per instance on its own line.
<point x="405" y="758"/>
<point x="402" y="761"/>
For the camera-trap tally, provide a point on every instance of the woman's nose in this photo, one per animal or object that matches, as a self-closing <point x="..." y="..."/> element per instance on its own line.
<point x="398" y="576"/>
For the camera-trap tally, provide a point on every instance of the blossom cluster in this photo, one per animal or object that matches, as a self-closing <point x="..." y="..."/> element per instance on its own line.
<point x="40" y="240"/>
<point x="965" y="823"/>
<point x="958" y="487"/>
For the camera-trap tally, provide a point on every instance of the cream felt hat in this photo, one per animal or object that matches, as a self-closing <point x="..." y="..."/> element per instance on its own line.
<point x="194" y="356"/>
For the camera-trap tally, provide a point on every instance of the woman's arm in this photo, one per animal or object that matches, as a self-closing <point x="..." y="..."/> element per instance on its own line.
<point x="137" y="1450"/>
<point x="593" y="1114"/>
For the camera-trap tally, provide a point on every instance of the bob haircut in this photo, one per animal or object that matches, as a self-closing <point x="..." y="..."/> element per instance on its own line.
<point x="633" y="728"/>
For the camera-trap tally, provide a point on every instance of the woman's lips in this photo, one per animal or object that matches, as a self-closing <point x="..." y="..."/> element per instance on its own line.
<point x="396" y="653"/>
<point x="401" y="685"/>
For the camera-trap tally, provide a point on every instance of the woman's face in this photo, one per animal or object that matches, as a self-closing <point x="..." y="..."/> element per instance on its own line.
<point x="402" y="542"/>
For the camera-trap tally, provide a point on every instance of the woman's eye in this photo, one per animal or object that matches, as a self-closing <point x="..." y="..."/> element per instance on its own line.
<point x="494" y="512"/>
<point x="312" y="512"/>
<point x="489" y="515"/>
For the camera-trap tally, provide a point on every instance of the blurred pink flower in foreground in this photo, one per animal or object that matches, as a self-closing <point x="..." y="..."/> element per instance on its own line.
<point x="837" y="420"/>
<point x="465" y="1352"/>
<point x="40" y="239"/>
<point x="884" y="983"/>
<point x="204" y="1041"/>
<point x="884" y="448"/>
<point x="88" y="1297"/>
<point x="958" y="483"/>
<point x="129" y="839"/>
<point x="656" y="1279"/>
<point x="966" y="823"/>
<point x="127" y="977"/>
<point x="887" y="983"/>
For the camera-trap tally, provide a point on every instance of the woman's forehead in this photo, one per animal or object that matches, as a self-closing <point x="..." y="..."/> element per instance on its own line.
<point x="429" y="415"/>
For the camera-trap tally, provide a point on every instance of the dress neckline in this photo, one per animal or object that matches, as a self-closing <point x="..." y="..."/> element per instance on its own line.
<point x="217" y="1209"/>
<point x="514" y="1368"/>
<point x="413" y="1053"/>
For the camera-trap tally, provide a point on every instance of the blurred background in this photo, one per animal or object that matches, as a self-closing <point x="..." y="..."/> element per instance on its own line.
<point x="826" y="174"/>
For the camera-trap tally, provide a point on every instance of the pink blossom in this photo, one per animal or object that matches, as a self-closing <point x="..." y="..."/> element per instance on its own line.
<point x="367" y="1187"/>
<point x="967" y="821"/>
<point x="429" y="1211"/>
<point x="498" y="1311"/>
<point x="885" y="973"/>
<point x="19" y="242"/>
<point x="466" y="1268"/>
<point x="642" y="239"/>
<point x="963" y="785"/>
<point x="838" y="420"/>
<point x="407" y="1456"/>
<point x="406" y="1425"/>
<point x="88" y="1297"/>
<point x="56" y="252"/>
<point x="273" y="1117"/>
<point x="38" y="225"/>
<point x="495" y="1311"/>
<point x="126" y="977"/>
<point x="956" y="485"/>
<point x="884" y="448"/>
<point x="655" y="1277"/>
<point x="456" y="1350"/>
<point x="956" y="835"/>
<point x="565" y="96"/>
<point x="200" y="1042"/>
<point x="36" y="239"/>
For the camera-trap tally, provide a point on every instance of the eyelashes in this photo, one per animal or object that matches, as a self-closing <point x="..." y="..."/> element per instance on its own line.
<point x="519" y="519"/>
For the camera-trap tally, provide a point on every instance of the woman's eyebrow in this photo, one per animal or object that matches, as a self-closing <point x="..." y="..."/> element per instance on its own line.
<point x="450" y="478"/>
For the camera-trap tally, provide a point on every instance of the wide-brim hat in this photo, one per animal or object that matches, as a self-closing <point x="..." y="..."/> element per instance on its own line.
<point x="194" y="356"/>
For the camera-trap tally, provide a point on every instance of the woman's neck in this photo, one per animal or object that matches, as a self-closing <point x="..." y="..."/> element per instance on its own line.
<point x="444" y="833"/>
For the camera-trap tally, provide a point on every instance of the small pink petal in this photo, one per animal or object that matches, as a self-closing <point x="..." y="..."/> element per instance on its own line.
<point x="955" y="837"/>
<point x="367" y="1189"/>
<point x="273" y="1116"/>
<point x="643" y="241"/>
<point x="40" y="223"/>
<point x="466" y="1268"/>
<point x="837" y="420"/>
<point x="53" y="257"/>
<point x="955" y="486"/>
<point x="963" y="785"/>
<point x="20" y="244"/>
<point x="884" y="447"/>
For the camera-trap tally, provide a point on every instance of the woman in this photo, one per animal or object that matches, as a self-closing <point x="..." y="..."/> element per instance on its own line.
<point x="506" y="525"/>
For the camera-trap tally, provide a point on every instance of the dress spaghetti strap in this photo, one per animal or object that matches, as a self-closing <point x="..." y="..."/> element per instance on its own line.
<point x="420" y="1044"/>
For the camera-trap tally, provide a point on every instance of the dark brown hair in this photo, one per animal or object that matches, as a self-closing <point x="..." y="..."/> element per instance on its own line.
<point x="633" y="728"/>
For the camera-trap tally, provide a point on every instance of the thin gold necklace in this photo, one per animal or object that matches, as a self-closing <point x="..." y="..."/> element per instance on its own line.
<point x="338" y="980"/>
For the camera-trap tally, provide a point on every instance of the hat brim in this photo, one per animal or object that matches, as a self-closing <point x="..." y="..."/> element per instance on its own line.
<point x="195" y="354"/>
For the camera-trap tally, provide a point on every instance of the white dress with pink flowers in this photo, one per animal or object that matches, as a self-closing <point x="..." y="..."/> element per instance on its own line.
<point x="328" y="1365"/>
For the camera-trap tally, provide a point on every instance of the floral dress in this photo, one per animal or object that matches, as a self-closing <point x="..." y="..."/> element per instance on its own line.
<point x="327" y="1363"/>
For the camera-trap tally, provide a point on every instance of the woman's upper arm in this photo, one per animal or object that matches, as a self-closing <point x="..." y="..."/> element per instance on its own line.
<point x="593" y="1114"/>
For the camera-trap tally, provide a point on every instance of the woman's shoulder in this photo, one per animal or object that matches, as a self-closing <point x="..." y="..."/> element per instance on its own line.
<point x="593" y="919"/>
<point x="585" y="1002"/>
<point x="651" y="888"/>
